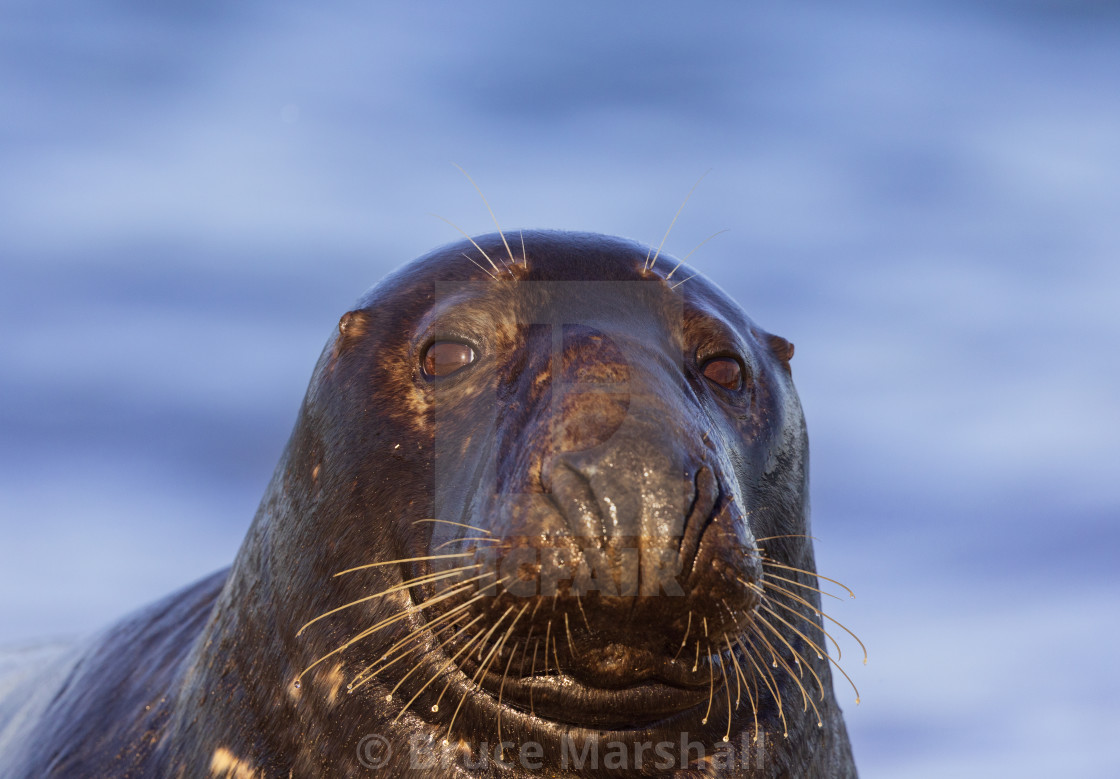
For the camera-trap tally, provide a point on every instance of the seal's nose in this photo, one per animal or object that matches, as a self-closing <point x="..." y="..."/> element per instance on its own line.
<point x="623" y="503"/>
<point x="657" y="539"/>
<point x="638" y="483"/>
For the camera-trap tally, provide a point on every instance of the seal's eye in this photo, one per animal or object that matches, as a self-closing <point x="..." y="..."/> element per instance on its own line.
<point x="723" y="371"/>
<point x="443" y="358"/>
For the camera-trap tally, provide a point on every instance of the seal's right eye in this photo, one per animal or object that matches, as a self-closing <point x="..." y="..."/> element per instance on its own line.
<point x="724" y="371"/>
<point x="443" y="358"/>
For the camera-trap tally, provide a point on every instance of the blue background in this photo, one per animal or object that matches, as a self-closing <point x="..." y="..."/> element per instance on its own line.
<point x="923" y="196"/>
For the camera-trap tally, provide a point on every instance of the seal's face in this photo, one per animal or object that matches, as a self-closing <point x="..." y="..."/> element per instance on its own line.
<point x="555" y="486"/>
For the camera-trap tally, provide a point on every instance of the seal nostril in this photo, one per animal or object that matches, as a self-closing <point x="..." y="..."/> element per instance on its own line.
<point x="572" y="494"/>
<point x="699" y="517"/>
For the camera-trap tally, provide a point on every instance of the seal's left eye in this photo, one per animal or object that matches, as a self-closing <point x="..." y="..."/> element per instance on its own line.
<point x="723" y="371"/>
<point x="445" y="357"/>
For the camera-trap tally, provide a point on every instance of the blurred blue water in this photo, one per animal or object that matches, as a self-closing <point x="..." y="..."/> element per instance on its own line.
<point x="921" y="196"/>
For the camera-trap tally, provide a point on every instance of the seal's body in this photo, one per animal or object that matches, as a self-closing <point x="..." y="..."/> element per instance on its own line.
<point x="544" y="509"/>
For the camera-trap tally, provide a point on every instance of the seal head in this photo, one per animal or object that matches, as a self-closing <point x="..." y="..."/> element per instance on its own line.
<point x="542" y="496"/>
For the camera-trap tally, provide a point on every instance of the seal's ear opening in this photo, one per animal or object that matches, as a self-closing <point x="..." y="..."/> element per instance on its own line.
<point x="351" y="327"/>
<point x="782" y="349"/>
<point x="353" y="323"/>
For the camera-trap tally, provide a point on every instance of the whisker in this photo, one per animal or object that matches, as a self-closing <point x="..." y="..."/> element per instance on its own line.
<point x="488" y="208"/>
<point x="738" y="681"/>
<point x="711" y="687"/>
<point x="484" y="254"/>
<point x="434" y="676"/>
<point x="763" y="673"/>
<point x="419" y="580"/>
<point x="741" y="677"/>
<point x="555" y="654"/>
<point x="767" y="669"/>
<point x="457" y="524"/>
<point x="767" y="561"/>
<point x="406" y="560"/>
<point x="482" y="669"/>
<point x="682" y="281"/>
<point x="771" y="575"/>
<point x="821" y="654"/>
<point x="821" y="651"/>
<point x="455" y="613"/>
<point x="683" y="259"/>
<point x="786" y="535"/>
<point x="468" y="538"/>
<point x="726" y="686"/>
<point x="803" y="637"/>
<point x="568" y="630"/>
<point x="547" y="633"/>
<point x="449" y="615"/>
<point x="579" y="602"/>
<point x="369" y="673"/>
<point x="455" y="590"/>
<point x="820" y="613"/>
<point x="684" y="640"/>
<point x="479" y="265"/>
<point x="525" y="648"/>
<point x="501" y="689"/>
<point x="787" y="594"/>
<point x="675" y="216"/>
<point x="533" y="673"/>
<point x="476" y="641"/>
<point x="805" y="697"/>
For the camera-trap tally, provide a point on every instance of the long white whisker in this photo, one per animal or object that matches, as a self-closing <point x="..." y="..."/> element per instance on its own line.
<point x="488" y="208"/>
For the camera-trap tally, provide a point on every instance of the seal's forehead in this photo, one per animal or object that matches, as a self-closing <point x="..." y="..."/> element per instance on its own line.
<point x="549" y="256"/>
<point x="542" y="256"/>
<point x="630" y="305"/>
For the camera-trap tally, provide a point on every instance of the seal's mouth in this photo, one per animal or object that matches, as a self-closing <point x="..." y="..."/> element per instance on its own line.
<point x="565" y="700"/>
<point x="659" y="690"/>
